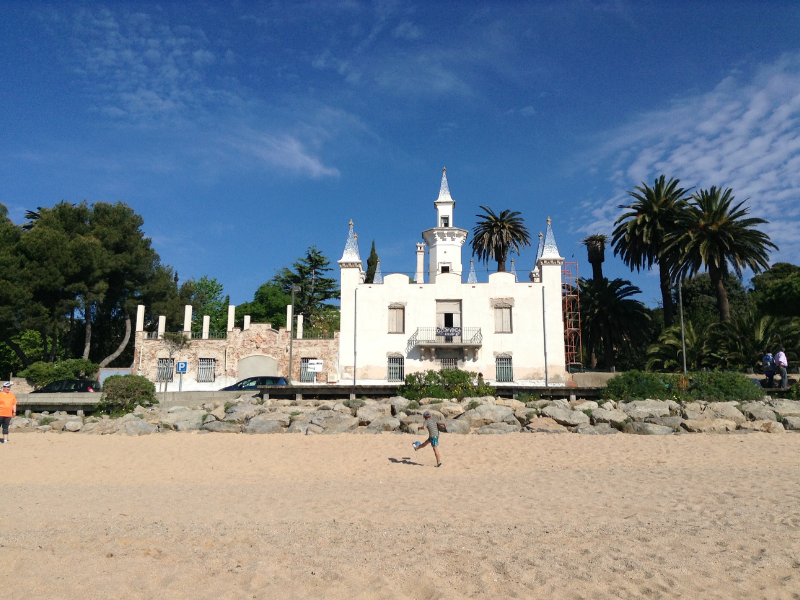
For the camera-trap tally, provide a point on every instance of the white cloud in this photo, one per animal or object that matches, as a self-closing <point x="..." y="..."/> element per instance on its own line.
<point x="284" y="152"/>
<point x="742" y="134"/>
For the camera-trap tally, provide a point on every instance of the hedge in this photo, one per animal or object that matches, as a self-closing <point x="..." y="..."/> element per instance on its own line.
<point x="452" y="383"/>
<point x="121" y="393"/>
<point x="700" y="385"/>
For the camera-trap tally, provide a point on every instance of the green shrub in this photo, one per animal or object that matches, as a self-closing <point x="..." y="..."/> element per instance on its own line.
<point x="525" y="397"/>
<point x="46" y="421"/>
<point x="412" y="405"/>
<point x="437" y="401"/>
<point x="452" y="383"/>
<point x="473" y="405"/>
<point x="122" y="392"/>
<point x="701" y="385"/>
<point x="792" y="393"/>
<point x="353" y="405"/>
<point x="42" y="373"/>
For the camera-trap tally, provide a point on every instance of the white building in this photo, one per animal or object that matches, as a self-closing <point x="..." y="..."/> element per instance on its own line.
<point x="501" y="329"/>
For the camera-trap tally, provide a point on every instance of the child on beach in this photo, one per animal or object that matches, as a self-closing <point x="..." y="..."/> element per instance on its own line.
<point x="433" y="436"/>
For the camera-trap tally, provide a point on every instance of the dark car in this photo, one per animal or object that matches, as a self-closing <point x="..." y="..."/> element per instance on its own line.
<point x="69" y="385"/>
<point x="252" y="383"/>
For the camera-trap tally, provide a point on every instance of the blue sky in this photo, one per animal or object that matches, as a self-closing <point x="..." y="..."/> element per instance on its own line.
<point x="245" y="132"/>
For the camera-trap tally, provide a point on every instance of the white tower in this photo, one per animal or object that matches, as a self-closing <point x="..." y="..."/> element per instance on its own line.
<point x="444" y="240"/>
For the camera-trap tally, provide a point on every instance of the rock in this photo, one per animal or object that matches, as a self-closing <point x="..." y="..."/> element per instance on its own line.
<point x="365" y="430"/>
<point x="450" y="410"/>
<point x="673" y="422"/>
<point x="414" y="420"/>
<point x="281" y="417"/>
<point x="639" y="410"/>
<point x="562" y="404"/>
<point x="99" y="427"/>
<point x="189" y="420"/>
<point x="340" y="407"/>
<point x="545" y="425"/>
<point x="708" y="425"/>
<point x="569" y="418"/>
<point x="640" y="428"/>
<point x="585" y="405"/>
<point x="538" y="403"/>
<point x="21" y="423"/>
<point x="694" y="411"/>
<point x="510" y="403"/>
<point x="726" y="410"/>
<point x="601" y="429"/>
<point x="259" y="425"/>
<point x="457" y="426"/>
<point x="221" y="426"/>
<point x="792" y="423"/>
<point x="219" y="413"/>
<point x="298" y="427"/>
<point x="398" y="404"/>
<point x="486" y="414"/>
<point x="57" y="425"/>
<point x="368" y="414"/>
<point x="242" y="412"/>
<point x="608" y="405"/>
<point x="524" y="414"/>
<point x="766" y="426"/>
<point x="605" y="415"/>
<point x="786" y="408"/>
<point x="480" y="400"/>
<point x="137" y="427"/>
<point x="342" y="426"/>
<point x="175" y="409"/>
<point x="426" y="401"/>
<point x="758" y="411"/>
<point x="44" y="428"/>
<point x="435" y="414"/>
<point x="385" y="424"/>
<point x="495" y="428"/>
<point x="73" y="426"/>
<point x="314" y="429"/>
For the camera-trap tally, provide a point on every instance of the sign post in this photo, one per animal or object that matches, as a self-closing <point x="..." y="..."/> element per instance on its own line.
<point x="180" y="369"/>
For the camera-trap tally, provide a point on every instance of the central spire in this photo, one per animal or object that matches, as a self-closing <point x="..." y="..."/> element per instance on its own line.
<point x="444" y="189"/>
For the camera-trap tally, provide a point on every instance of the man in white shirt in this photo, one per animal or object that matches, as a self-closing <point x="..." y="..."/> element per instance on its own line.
<point x="782" y="365"/>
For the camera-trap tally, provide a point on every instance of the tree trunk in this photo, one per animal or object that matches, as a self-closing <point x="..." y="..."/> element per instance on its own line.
<point x="68" y="344"/>
<point x="54" y="347"/>
<point x="608" y="350"/>
<point x="597" y="271"/>
<point x="124" y="342"/>
<point x="501" y="265"/>
<point x="722" y="295"/>
<point x="45" y="346"/>
<point x="87" y="315"/>
<point x="666" y="296"/>
<point x="26" y="362"/>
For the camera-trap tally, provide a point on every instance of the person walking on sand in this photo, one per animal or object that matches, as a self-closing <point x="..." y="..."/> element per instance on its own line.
<point x="782" y="364"/>
<point x="8" y="408"/>
<point x="433" y="436"/>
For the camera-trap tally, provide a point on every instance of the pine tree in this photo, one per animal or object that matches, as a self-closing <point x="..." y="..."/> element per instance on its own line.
<point x="372" y="264"/>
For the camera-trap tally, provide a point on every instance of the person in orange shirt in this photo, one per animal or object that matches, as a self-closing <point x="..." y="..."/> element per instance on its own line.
<point x="8" y="408"/>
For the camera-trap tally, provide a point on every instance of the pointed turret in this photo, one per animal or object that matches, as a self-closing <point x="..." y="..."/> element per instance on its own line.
<point x="473" y="277"/>
<point x="351" y="255"/>
<point x="378" y="277"/>
<point x="541" y="246"/>
<point x="513" y="270"/>
<point x="444" y="189"/>
<point x="550" y="250"/>
<point x="445" y="239"/>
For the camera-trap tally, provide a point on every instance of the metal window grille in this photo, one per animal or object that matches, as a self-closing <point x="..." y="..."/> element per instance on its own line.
<point x="397" y="368"/>
<point x="306" y="376"/>
<point x="505" y="368"/>
<point x="448" y="364"/>
<point x="206" y="370"/>
<point x="166" y="367"/>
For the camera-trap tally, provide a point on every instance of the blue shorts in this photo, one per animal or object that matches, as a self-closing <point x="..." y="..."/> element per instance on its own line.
<point x="434" y="440"/>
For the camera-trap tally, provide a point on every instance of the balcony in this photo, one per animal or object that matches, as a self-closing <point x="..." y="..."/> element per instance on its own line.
<point x="445" y="337"/>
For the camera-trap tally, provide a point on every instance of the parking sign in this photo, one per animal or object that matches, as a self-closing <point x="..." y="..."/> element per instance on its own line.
<point x="180" y="367"/>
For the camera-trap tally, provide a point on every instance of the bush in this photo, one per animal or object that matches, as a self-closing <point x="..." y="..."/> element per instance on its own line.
<point x="122" y="392"/>
<point x="712" y="385"/>
<point x="42" y="373"/>
<point x="452" y="383"/>
<point x="793" y="393"/>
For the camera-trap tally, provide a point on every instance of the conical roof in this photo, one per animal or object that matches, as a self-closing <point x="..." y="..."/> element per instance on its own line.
<point x="351" y="254"/>
<point x="473" y="277"/>
<point x="550" y="250"/>
<point x="378" y="277"/>
<point x="444" y="189"/>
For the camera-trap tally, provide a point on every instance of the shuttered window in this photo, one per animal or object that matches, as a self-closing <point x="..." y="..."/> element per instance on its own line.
<point x="397" y="320"/>
<point x="166" y="366"/>
<point x="396" y="368"/>
<point x="307" y="376"/>
<point x="505" y="368"/>
<point x="206" y="369"/>
<point x="502" y="319"/>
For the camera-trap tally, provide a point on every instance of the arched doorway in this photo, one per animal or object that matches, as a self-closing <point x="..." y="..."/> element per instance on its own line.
<point x="256" y="365"/>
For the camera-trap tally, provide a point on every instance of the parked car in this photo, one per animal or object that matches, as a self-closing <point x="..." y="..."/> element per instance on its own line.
<point x="69" y="385"/>
<point x="252" y="383"/>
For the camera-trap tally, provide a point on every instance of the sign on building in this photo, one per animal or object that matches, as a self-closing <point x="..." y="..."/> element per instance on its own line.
<point x="314" y="365"/>
<point x="180" y="367"/>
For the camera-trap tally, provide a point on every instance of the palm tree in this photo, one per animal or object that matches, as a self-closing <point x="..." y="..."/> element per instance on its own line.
<point x="495" y="236"/>
<point x="639" y="237"/>
<point x="744" y="340"/>
<point x="610" y="318"/>
<point x="713" y="234"/>
<point x="596" y="248"/>
<point x="666" y="355"/>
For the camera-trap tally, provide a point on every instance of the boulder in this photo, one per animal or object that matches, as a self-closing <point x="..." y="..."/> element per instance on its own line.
<point x="221" y="426"/>
<point x="298" y="427"/>
<point x="314" y="429"/>
<point x="137" y="427"/>
<point x="639" y="410"/>
<point x="537" y="403"/>
<point x="175" y="409"/>
<point x="510" y="403"/>
<point x="792" y="423"/>
<point x="694" y="411"/>
<point x="524" y="414"/>
<point x="561" y="403"/>
<point x="641" y="428"/>
<point x="412" y="421"/>
<point x="457" y="426"/>
<point x="674" y="422"/>
<point x="218" y="413"/>
<point x="583" y="405"/>
<point x="189" y="420"/>
<point x="73" y="426"/>
<point x="601" y="429"/>
<point x="568" y="418"/>
<point x="708" y="425"/>
<point x="339" y="407"/>
<point x="758" y="411"/>
<point x="242" y="412"/>
<point x="426" y="401"/>
<point x="21" y="423"/>
<point x="99" y="427"/>
<point x="450" y="410"/>
<point x="726" y="410"/>
<point x="281" y="417"/>
<point x="325" y="418"/>
<point x="385" y="424"/>
<point x="259" y="425"/>
<point x="488" y="413"/>
<point x="341" y="426"/>
<point x="398" y="404"/>
<point x="608" y="404"/>
<point x="545" y="425"/>
<point x="786" y="408"/>
<point x="495" y="428"/>
<point x="435" y="414"/>
<point x="606" y="415"/>
<point x="766" y="426"/>
<point x="480" y="400"/>
<point x="368" y="414"/>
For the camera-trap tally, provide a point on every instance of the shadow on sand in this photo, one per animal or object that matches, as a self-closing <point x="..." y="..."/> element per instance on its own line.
<point x="406" y="460"/>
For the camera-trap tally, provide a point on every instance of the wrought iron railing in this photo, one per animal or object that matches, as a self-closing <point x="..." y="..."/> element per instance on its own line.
<point x="458" y="336"/>
<point x="310" y="334"/>
<point x="212" y="335"/>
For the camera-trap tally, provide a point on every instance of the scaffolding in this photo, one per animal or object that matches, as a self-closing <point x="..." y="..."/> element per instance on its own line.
<point x="570" y="294"/>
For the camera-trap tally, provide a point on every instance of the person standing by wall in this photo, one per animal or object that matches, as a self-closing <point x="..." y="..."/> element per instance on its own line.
<point x="782" y="364"/>
<point x="768" y="367"/>
<point x="8" y="408"/>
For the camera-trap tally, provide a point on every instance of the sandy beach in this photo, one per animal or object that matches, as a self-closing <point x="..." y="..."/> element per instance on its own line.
<point x="345" y="516"/>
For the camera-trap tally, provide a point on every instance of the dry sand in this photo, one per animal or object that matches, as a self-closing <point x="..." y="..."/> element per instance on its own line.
<point x="293" y="516"/>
